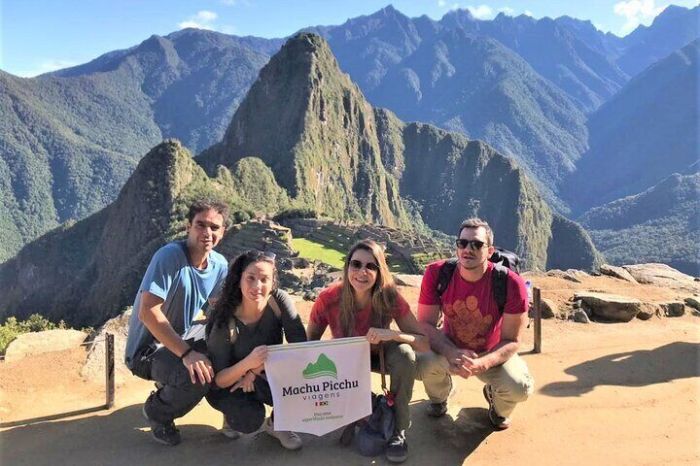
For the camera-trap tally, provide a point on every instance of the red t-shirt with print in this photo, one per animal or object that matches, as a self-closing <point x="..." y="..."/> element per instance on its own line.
<point x="326" y="312"/>
<point x="471" y="317"/>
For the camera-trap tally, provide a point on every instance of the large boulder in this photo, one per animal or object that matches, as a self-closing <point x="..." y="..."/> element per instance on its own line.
<point x="649" y="310"/>
<point x="29" y="344"/>
<point x="616" y="272"/>
<point x="94" y="368"/>
<point x="610" y="307"/>
<point x="660" y="275"/>
<point x="580" y="316"/>
<point x="548" y="307"/>
<point x="576" y="276"/>
<point x="673" y="308"/>
<point x="693" y="301"/>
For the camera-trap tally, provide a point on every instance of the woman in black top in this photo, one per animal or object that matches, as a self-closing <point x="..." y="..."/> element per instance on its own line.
<point x="250" y="314"/>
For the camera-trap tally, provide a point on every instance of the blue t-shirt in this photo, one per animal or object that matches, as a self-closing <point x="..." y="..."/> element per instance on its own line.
<point x="183" y="288"/>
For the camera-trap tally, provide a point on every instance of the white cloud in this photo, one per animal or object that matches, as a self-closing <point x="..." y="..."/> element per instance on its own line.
<point x="202" y="20"/>
<point x="481" y="11"/>
<point x="48" y="66"/>
<point x="507" y="10"/>
<point x="442" y="3"/>
<point x="636" y="12"/>
<point x="528" y="13"/>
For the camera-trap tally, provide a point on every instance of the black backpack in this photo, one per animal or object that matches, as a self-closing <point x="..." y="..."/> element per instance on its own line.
<point x="503" y="260"/>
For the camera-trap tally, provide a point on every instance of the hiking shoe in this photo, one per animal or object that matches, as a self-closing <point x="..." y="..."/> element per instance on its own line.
<point x="437" y="409"/>
<point x="397" y="448"/>
<point x="288" y="439"/>
<point x="167" y="434"/>
<point x="498" y="422"/>
<point x="227" y="432"/>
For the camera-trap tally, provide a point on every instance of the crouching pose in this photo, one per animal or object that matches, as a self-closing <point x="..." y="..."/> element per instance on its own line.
<point x="250" y="314"/>
<point x="364" y="304"/>
<point x="180" y="279"/>
<point x="477" y="339"/>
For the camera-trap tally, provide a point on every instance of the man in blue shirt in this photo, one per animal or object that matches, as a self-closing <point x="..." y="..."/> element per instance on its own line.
<point x="180" y="278"/>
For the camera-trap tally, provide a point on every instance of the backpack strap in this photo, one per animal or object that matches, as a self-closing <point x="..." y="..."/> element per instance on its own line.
<point x="499" y="284"/>
<point x="272" y="302"/>
<point x="447" y="269"/>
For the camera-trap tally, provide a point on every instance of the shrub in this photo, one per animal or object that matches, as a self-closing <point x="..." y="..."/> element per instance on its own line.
<point x="12" y="328"/>
<point x="241" y="216"/>
<point x="295" y="213"/>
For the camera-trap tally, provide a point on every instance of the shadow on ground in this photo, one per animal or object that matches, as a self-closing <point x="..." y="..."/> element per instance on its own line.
<point x="122" y="437"/>
<point x="674" y="361"/>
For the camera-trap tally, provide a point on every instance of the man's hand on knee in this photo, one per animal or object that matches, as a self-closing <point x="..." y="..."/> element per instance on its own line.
<point x="199" y="367"/>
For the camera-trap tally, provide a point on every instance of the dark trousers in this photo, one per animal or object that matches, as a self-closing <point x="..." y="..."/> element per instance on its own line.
<point x="177" y="394"/>
<point x="244" y="411"/>
<point x="400" y="362"/>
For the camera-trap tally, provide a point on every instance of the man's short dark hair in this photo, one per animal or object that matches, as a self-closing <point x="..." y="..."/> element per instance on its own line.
<point x="475" y="223"/>
<point x="202" y="205"/>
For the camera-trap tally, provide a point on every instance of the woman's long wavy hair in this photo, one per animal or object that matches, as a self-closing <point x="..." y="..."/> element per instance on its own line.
<point x="231" y="295"/>
<point x="383" y="291"/>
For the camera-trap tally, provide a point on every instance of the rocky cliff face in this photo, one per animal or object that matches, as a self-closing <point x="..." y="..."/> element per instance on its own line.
<point x="453" y="178"/>
<point x="313" y="127"/>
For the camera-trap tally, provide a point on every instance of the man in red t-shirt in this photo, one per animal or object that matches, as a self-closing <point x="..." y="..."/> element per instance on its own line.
<point x="475" y="339"/>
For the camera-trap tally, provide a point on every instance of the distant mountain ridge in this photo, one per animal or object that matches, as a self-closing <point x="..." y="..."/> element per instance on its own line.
<point x="71" y="138"/>
<point x="325" y="131"/>
<point x="671" y="30"/>
<point x="661" y="224"/>
<point x="648" y="131"/>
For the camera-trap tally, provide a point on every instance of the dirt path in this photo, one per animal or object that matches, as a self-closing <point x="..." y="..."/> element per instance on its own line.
<point x="606" y="394"/>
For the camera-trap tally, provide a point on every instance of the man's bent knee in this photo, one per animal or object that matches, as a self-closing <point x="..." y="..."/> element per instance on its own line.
<point x="431" y="364"/>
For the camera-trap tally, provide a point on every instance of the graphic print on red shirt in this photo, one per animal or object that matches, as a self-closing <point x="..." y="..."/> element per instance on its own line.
<point x="471" y="317"/>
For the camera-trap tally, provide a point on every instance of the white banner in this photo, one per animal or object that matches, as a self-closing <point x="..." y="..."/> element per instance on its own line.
<point x="319" y="386"/>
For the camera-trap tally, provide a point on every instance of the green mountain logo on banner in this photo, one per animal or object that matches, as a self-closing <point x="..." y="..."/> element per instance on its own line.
<point x="322" y="367"/>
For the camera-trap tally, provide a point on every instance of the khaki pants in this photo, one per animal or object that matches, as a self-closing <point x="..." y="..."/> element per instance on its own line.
<point x="511" y="382"/>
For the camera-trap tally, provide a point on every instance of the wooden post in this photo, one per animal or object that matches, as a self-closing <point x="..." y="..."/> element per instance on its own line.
<point x="537" y="304"/>
<point x="109" y="371"/>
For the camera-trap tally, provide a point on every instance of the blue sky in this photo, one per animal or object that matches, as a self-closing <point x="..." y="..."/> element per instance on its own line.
<point x="37" y="36"/>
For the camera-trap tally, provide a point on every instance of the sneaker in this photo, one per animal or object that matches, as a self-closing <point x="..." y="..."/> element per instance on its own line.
<point x="497" y="421"/>
<point x="167" y="434"/>
<point x="437" y="409"/>
<point x="397" y="448"/>
<point x="227" y="432"/>
<point x="288" y="439"/>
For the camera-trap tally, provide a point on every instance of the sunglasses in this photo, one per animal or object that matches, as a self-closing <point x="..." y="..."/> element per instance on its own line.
<point x="258" y="253"/>
<point x="357" y="265"/>
<point x="474" y="244"/>
<point x="268" y="254"/>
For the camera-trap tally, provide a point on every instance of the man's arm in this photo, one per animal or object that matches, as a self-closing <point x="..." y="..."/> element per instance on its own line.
<point x="504" y="350"/>
<point x="428" y="315"/>
<point x="151" y="314"/>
